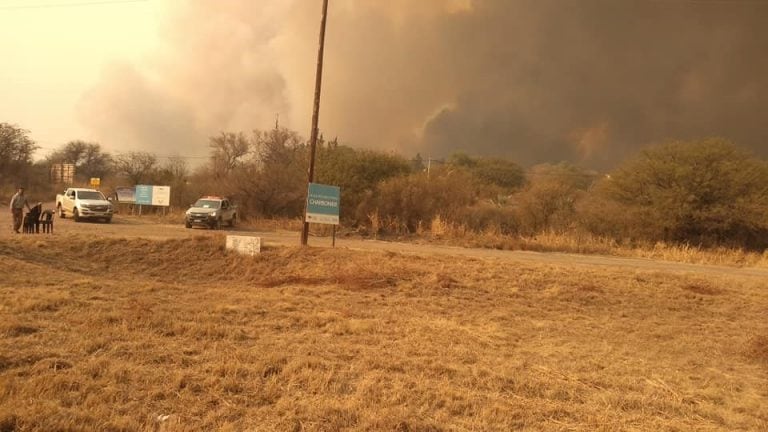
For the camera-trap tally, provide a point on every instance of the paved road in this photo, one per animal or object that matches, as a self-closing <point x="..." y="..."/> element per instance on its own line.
<point x="152" y="228"/>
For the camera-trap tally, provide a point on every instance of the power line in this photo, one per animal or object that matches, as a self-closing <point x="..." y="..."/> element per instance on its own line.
<point x="71" y="4"/>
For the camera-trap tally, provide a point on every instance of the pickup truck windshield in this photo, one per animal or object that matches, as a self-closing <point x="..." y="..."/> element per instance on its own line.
<point x="90" y="195"/>
<point x="207" y="204"/>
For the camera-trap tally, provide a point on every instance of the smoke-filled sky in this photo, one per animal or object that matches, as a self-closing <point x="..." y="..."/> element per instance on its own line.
<point x="589" y="81"/>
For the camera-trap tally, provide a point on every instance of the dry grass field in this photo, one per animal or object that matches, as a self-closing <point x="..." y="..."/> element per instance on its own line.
<point x="444" y="233"/>
<point x="178" y="335"/>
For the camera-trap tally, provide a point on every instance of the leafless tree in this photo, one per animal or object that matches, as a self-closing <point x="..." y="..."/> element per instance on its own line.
<point x="228" y="151"/>
<point x="138" y="167"/>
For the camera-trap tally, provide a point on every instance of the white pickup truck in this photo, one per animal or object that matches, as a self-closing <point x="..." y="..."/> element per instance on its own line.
<point x="83" y="204"/>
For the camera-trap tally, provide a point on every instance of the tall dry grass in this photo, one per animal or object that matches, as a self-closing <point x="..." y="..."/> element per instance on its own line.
<point x="179" y="335"/>
<point x="576" y="241"/>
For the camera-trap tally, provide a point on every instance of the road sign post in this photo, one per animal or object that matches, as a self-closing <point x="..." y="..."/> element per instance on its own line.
<point x="323" y="205"/>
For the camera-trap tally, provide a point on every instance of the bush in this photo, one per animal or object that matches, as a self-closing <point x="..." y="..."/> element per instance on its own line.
<point x="548" y="202"/>
<point x="702" y="192"/>
<point x="416" y="199"/>
<point x="502" y="174"/>
<point x="489" y="218"/>
<point x="356" y="172"/>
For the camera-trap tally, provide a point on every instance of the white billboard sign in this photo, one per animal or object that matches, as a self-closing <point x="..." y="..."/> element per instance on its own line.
<point x="161" y="195"/>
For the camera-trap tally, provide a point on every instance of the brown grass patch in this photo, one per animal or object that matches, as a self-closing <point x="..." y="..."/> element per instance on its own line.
<point x="180" y="335"/>
<point x="703" y="289"/>
<point x="758" y="349"/>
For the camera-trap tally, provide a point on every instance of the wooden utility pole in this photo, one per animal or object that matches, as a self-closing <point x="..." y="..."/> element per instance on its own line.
<point x="315" y="117"/>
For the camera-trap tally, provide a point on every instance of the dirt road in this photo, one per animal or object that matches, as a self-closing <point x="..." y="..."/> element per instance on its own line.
<point x="151" y="228"/>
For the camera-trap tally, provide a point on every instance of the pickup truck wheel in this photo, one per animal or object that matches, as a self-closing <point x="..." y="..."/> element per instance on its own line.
<point x="75" y="215"/>
<point x="61" y="212"/>
<point x="108" y="220"/>
<point x="187" y="225"/>
<point x="233" y="221"/>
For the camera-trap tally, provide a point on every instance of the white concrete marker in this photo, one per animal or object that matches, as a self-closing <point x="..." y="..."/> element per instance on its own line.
<point x="246" y="245"/>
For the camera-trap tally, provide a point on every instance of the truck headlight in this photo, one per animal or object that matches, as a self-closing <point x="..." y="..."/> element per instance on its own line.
<point x="213" y="214"/>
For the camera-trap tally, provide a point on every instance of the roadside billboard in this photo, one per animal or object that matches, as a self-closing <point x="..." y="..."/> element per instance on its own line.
<point x="143" y="195"/>
<point x="161" y="196"/>
<point x="153" y="195"/>
<point x="125" y="194"/>
<point x="323" y="204"/>
<point x="62" y="173"/>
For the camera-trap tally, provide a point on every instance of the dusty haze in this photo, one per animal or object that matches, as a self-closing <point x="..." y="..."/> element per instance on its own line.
<point x="589" y="81"/>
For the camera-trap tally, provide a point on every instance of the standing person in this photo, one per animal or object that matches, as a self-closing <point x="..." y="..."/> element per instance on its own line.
<point x="17" y="208"/>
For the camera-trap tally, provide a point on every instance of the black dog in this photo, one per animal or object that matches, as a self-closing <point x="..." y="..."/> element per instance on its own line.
<point x="31" y="222"/>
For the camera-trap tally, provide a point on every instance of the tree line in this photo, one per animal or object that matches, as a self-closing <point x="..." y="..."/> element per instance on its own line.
<point x="705" y="192"/>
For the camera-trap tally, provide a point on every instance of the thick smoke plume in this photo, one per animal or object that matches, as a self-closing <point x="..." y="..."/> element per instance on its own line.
<point x="589" y="81"/>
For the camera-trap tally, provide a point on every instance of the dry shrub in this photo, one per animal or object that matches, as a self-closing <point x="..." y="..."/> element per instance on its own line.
<point x="579" y="241"/>
<point x="438" y="227"/>
<point x="394" y="225"/>
<point x="706" y="192"/>
<point x="603" y="217"/>
<point x="489" y="218"/>
<point x="694" y="254"/>
<point x="418" y="197"/>
<point x="574" y="242"/>
<point x="375" y="222"/>
<point x="441" y="228"/>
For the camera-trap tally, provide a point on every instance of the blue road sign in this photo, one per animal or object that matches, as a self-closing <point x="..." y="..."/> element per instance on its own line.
<point x="143" y="194"/>
<point x="323" y="204"/>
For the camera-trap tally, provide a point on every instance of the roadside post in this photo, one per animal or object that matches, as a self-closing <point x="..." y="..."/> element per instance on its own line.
<point x="323" y="205"/>
<point x="315" y="118"/>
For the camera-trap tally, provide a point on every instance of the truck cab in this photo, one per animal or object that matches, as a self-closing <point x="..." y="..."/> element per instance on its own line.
<point x="212" y="212"/>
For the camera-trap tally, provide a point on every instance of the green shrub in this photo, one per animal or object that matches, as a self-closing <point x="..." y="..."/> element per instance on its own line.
<point x="705" y="192"/>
